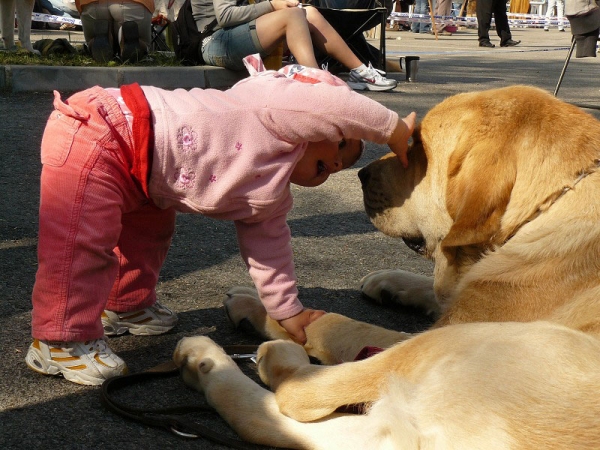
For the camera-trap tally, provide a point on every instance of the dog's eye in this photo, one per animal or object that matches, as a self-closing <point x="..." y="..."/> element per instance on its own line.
<point x="415" y="244"/>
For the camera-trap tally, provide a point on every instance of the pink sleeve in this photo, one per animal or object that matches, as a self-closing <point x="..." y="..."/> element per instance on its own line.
<point x="266" y="249"/>
<point x="301" y="112"/>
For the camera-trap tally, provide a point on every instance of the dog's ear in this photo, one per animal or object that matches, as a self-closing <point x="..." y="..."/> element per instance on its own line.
<point x="480" y="181"/>
<point x="179" y="359"/>
<point x="205" y="365"/>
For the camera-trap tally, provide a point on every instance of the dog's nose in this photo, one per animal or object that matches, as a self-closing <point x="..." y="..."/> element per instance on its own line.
<point x="363" y="175"/>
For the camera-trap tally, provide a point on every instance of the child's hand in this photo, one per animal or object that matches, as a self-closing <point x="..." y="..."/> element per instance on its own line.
<point x="398" y="142"/>
<point x="295" y="325"/>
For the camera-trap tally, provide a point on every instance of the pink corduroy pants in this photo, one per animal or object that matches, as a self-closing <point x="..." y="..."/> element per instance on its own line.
<point x="102" y="242"/>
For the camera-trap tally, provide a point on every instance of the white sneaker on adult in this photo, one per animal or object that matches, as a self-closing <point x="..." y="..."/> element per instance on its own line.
<point x="371" y="79"/>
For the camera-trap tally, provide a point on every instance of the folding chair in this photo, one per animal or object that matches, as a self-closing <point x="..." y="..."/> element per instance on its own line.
<point x="563" y="71"/>
<point x="351" y="18"/>
<point x="161" y="23"/>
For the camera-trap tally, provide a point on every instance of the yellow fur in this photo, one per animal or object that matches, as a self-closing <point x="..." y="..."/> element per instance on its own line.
<point x="503" y="189"/>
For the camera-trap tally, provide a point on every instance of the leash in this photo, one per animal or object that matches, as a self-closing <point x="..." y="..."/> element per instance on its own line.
<point x="173" y="418"/>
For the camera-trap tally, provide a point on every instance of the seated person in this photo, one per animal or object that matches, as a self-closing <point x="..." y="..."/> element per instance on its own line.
<point x="120" y="28"/>
<point x="260" y="27"/>
<point x="61" y="8"/>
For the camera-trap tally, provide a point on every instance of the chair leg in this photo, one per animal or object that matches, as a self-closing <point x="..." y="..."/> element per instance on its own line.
<point x="383" y="59"/>
<point x="564" y="69"/>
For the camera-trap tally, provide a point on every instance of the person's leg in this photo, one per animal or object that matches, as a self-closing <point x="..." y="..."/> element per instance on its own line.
<point x="292" y="25"/>
<point x="328" y="40"/>
<point x="227" y="47"/>
<point x="143" y="245"/>
<point x="501" y="21"/>
<point x="549" y="14"/>
<point x="425" y="24"/>
<point x="129" y="11"/>
<point x="97" y="31"/>
<point x="85" y="187"/>
<point x="414" y="26"/>
<point x="560" y="14"/>
<point x="132" y="39"/>
<point x="484" y="20"/>
<point x="142" y="248"/>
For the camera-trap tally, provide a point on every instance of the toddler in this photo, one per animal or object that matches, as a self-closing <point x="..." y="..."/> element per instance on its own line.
<point x="119" y="163"/>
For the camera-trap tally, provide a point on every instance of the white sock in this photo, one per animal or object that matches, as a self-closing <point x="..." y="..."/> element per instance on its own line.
<point x="360" y="68"/>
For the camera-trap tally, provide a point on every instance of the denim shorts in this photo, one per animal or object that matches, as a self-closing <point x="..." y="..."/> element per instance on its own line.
<point x="228" y="46"/>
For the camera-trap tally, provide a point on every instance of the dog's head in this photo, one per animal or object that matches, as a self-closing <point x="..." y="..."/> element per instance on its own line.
<point x="480" y="166"/>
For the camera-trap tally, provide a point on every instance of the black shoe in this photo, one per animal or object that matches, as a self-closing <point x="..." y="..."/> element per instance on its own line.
<point x="509" y="43"/>
<point x="486" y="44"/>
<point x="100" y="45"/>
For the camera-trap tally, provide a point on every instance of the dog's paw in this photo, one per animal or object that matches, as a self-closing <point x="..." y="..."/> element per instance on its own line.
<point x="278" y="360"/>
<point x="400" y="288"/>
<point x="244" y="309"/>
<point x="245" y="312"/>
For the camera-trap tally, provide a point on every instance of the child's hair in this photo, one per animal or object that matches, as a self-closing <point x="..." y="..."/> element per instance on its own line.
<point x="346" y="164"/>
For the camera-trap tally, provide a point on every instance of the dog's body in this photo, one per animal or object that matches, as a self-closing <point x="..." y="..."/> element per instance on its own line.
<point x="503" y="192"/>
<point x="24" y="9"/>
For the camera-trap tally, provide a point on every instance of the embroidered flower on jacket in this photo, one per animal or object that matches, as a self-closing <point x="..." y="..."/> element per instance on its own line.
<point x="238" y="146"/>
<point x="212" y="178"/>
<point x="187" y="139"/>
<point x="184" y="178"/>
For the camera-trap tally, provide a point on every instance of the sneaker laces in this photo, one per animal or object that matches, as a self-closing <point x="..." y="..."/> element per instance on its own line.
<point x="372" y="72"/>
<point x="97" y="345"/>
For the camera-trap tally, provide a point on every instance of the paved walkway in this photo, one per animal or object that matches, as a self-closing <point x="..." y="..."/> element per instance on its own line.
<point x="438" y="55"/>
<point x="334" y="243"/>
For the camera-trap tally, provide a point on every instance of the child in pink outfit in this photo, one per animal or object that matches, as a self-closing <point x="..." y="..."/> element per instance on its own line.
<point x="119" y="163"/>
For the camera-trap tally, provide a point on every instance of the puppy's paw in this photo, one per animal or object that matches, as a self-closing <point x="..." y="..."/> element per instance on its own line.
<point x="400" y="288"/>
<point x="245" y="312"/>
<point x="278" y="360"/>
<point x="196" y="357"/>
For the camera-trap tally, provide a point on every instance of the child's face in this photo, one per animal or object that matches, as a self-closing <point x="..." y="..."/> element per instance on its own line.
<point x="321" y="159"/>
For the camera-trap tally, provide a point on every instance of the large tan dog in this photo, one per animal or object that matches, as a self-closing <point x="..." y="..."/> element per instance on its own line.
<point x="24" y="9"/>
<point x="503" y="192"/>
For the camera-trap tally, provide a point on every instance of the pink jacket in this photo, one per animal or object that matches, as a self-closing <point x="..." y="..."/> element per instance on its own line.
<point x="229" y="155"/>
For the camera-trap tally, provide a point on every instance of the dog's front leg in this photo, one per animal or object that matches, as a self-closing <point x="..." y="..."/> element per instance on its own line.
<point x="307" y="392"/>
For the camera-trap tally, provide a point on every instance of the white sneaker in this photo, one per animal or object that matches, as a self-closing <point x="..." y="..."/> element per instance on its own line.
<point x="156" y="319"/>
<point x="89" y="363"/>
<point x="370" y="79"/>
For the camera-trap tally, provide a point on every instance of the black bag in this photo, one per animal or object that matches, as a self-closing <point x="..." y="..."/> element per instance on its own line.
<point x="186" y="38"/>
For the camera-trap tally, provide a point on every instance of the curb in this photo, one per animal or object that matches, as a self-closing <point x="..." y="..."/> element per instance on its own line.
<point x="14" y="78"/>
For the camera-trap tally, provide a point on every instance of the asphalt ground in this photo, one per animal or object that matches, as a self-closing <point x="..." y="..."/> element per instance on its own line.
<point x="334" y="244"/>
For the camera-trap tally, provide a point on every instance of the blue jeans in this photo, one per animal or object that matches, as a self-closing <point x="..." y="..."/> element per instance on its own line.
<point x="421" y="7"/>
<point x="228" y="46"/>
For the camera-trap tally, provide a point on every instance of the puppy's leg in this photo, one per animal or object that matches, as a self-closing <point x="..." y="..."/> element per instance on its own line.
<point x="308" y="392"/>
<point x="253" y="411"/>
<point x="398" y="287"/>
<point x="248" y="408"/>
<point x="245" y="311"/>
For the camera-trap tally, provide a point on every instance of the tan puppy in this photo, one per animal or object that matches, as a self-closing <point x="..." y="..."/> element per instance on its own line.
<point x="503" y="192"/>
<point x="24" y="9"/>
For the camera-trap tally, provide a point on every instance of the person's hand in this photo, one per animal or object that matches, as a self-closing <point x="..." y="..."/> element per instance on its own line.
<point x="283" y="4"/>
<point x="295" y="325"/>
<point x="398" y="142"/>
